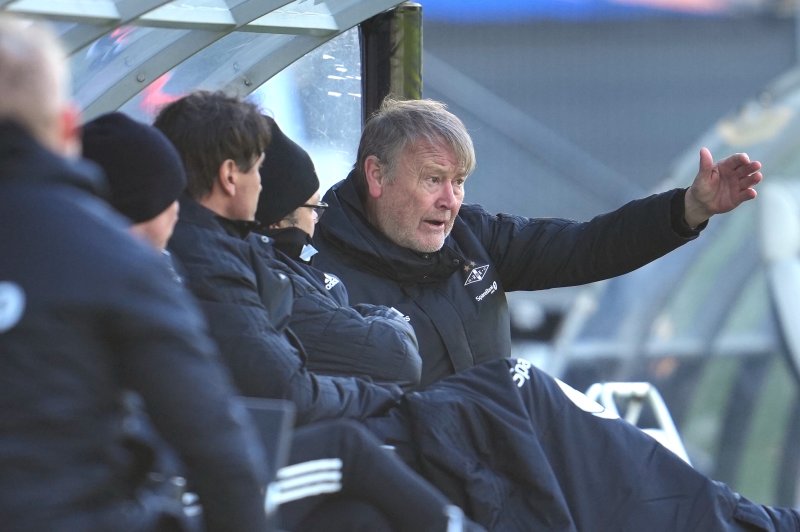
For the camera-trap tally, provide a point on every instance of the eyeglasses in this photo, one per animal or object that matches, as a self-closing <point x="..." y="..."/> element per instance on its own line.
<point x="319" y="208"/>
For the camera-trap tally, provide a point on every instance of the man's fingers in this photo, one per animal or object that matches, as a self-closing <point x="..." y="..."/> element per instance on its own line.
<point x="747" y="194"/>
<point x="740" y="162"/>
<point x="754" y="178"/>
<point x="750" y="180"/>
<point x="751" y="167"/>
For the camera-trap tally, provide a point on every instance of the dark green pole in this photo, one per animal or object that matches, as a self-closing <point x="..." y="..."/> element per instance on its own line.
<point x="391" y="56"/>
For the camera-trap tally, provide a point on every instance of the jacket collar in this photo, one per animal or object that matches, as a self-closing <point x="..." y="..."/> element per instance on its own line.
<point x="294" y="242"/>
<point x="346" y="228"/>
<point x="193" y="212"/>
<point x="240" y="228"/>
<point x="24" y="159"/>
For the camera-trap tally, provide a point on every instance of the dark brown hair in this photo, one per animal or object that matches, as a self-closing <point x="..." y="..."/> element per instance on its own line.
<point x="209" y="128"/>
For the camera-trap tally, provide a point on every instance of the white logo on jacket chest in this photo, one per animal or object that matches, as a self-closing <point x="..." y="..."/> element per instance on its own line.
<point x="12" y="305"/>
<point x="476" y="274"/>
<point x="491" y="290"/>
<point x="331" y="281"/>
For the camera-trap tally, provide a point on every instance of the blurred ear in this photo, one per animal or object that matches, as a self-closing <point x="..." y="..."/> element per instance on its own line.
<point x="373" y="173"/>
<point x="226" y="177"/>
<point x="68" y="134"/>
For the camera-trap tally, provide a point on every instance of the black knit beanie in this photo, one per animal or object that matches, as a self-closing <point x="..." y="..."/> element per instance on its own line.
<point x="288" y="177"/>
<point x="143" y="168"/>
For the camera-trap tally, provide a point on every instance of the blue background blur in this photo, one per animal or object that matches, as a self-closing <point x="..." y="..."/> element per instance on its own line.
<point x="470" y="11"/>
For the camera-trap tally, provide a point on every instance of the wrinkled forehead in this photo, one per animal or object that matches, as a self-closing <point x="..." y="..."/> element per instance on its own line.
<point x="432" y="155"/>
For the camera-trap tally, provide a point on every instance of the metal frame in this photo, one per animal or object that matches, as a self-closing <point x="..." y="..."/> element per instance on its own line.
<point x="307" y="24"/>
<point x="638" y="396"/>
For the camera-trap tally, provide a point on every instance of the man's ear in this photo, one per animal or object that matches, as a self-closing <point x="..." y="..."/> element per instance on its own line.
<point x="226" y="177"/>
<point x="69" y="131"/>
<point x="373" y="172"/>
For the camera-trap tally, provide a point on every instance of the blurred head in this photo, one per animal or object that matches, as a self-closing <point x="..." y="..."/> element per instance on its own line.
<point x="35" y="85"/>
<point x="413" y="160"/>
<point x="221" y="140"/>
<point x="144" y="172"/>
<point x="289" y="185"/>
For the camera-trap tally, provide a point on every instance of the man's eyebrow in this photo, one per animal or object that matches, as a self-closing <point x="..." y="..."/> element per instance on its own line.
<point x="432" y="165"/>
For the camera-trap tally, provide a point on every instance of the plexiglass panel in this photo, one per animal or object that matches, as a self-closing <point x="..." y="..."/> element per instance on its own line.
<point x="105" y="64"/>
<point x="224" y="59"/>
<point x="316" y="100"/>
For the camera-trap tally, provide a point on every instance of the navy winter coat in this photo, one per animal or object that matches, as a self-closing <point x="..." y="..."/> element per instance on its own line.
<point x="521" y="451"/>
<point x="244" y="300"/>
<point x="364" y="340"/>
<point x="86" y="312"/>
<point x="455" y="297"/>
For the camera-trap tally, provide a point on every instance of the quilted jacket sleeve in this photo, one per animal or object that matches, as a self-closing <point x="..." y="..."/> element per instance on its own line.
<point x="537" y="253"/>
<point x="366" y="340"/>
<point x="263" y="361"/>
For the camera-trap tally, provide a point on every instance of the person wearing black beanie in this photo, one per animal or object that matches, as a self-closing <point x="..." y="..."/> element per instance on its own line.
<point x="364" y="340"/>
<point x="143" y="170"/>
<point x="289" y="205"/>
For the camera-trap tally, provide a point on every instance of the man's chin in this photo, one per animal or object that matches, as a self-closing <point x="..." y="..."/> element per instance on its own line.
<point x="428" y="246"/>
<point x="425" y="243"/>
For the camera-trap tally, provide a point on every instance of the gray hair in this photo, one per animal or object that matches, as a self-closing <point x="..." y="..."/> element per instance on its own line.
<point x="34" y="78"/>
<point x="399" y="123"/>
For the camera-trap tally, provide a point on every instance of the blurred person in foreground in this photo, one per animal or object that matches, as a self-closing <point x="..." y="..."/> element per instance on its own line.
<point x="398" y="234"/>
<point x="511" y="446"/>
<point x="87" y="313"/>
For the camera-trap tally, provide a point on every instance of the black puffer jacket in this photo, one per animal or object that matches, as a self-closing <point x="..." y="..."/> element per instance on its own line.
<point x="364" y="340"/>
<point x="85" y="313"/>
<point x="521" y="451"/>
<point x="456" y="297"/>
<point x="247" y="307"/>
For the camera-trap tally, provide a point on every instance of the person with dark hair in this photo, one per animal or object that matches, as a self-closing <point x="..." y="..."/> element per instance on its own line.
<point x="364" y="340"/>
<point x="247" y="302"/>
<point x="88" y="313"/>
<point x="215" y="243"/>
<point x="245" y="136"/>
<point x="513" y="447"/>
<point x="398" y="233"/>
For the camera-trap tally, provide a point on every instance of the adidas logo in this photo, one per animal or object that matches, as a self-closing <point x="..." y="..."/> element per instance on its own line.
<point x="331" y="281"/>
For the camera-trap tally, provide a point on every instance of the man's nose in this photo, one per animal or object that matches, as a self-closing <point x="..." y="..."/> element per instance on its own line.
<point x="447" y="196"/>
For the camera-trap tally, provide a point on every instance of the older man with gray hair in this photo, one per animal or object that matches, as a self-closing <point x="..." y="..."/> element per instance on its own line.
<point x="398" y="234"/>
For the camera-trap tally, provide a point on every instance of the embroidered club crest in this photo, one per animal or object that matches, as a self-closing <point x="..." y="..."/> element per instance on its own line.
<point x="477" y="274"/>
